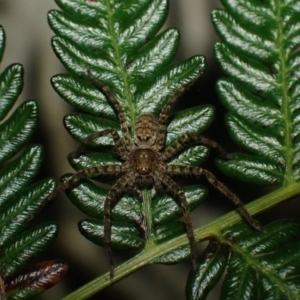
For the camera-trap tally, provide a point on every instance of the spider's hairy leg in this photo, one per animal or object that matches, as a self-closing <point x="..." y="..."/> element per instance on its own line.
<point x="188" y="138"/>
<point x="197" y="171"/>
<point x="135" y="192"/>
<point x="163" y="116"/>
<point x="159" y="188"/>
<point x="173" y="187"/>
<point x="110" y="201"/>
<point x="116" y="105"/>
<point x="119" y="146"/>
<point x="110" y="169"/>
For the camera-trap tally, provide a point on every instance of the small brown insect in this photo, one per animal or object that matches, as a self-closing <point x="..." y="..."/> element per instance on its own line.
<point x="145" y="164"/>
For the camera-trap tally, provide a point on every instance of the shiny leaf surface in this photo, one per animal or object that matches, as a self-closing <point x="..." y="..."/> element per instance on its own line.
<point x="256" y="265"/>
<point x="17" y="130"/>
<point x="201" y="281"/>
<point x="259" y="58"/>
<point x="18" y="251"/>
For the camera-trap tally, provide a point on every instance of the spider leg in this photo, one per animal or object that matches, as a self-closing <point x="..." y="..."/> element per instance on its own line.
<point x="117" y="140"/>
<point x="187" y="138"/>
<point x="116" y="105"/>
<point x="110" y="201"/>
<point x="163" y="116"/>
<point x="197" y="171"/>
<point x="174" y="188"/>
<point x="110" y="169"/>
<point x="158" y="186"/>
<point x="134" y="191"/>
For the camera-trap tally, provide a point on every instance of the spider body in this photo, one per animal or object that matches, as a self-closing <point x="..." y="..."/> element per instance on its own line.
<point x="145" y="164"/>
<point x="145" y="131"/>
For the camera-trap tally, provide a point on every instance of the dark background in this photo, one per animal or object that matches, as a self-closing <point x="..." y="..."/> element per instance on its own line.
<point x="28" y="42"/>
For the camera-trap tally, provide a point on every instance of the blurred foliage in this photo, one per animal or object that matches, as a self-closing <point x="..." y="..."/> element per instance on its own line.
<point x="20" y="198"/>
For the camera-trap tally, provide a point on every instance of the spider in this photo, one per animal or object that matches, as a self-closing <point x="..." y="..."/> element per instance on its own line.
<point x="145" y="164"/>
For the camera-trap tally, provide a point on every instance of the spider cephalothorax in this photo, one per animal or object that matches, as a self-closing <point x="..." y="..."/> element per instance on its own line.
<point x="145" y="165"/>
<point x="145" y="131"/>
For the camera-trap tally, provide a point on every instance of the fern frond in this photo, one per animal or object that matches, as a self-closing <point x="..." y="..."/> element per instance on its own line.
<point x="258" y="56"/>
<point x="136" y="63"/>
<point x="20" y="199"/>
<point x="259" y="265"/>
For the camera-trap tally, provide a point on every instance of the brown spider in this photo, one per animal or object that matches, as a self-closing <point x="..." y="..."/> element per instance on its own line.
<point x="145" y="165"/>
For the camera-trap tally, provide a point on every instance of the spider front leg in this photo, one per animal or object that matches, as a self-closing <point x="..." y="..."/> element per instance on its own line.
<point x="164" y="114"/>
<point x="197" y="171"/>
<point x="116" y="106"/>
<point x="187" y="138"/>
<point x="177" y="192"/>
<point x="117" y="140"/>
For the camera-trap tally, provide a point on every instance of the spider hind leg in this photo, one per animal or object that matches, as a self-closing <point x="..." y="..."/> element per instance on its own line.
<point x="223" y="189"/>
<point x="176" y="191"/>
<point x="111" y="200"/>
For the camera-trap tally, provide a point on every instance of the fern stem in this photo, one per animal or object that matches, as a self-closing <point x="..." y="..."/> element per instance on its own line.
<point x="118" y="59"/>
<point x="283" y="77"/>
<point x="213" y="228"/>
<point x="148" y="216"/>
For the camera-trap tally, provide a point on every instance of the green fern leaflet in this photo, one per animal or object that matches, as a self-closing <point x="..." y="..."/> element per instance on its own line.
<point x="257" y="266"/>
